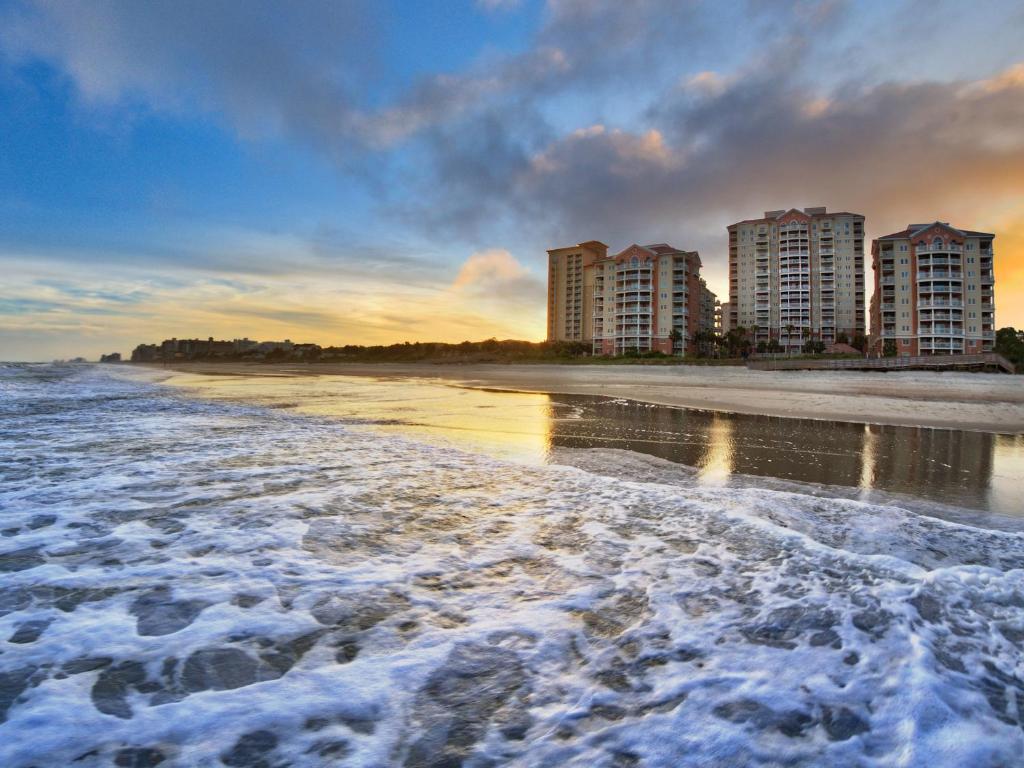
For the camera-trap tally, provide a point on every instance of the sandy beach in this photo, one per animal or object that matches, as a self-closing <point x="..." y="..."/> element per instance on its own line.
<point x="972" y="401"/>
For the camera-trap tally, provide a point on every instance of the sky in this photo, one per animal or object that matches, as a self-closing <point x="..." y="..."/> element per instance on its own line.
<point x="348" y="172"/>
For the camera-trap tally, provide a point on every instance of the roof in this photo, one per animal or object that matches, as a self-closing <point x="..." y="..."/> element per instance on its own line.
<point x="585" y="244"/>
<point x="820" y="212"/>
<point x="662" y="248"/>
<point x="631" y="247"/>
<point x="913" y="229"/>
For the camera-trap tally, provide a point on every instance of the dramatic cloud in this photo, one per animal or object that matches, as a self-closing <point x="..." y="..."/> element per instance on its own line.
<point x="268" y="68"/>
<point x="496" y="273"/>
<point x="653" y="120"/>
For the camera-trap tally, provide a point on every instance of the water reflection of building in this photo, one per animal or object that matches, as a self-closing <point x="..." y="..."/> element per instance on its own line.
<point x="951" y="466"/>
<point x="954" y="465"/>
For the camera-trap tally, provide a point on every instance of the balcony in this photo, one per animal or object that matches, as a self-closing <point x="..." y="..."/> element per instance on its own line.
<point x="941" y="344"/>
<point x="938" y="261"/>
<point x="946" y="317"/>
<point x="928" y="303"/>
<point x="951" y="248"/>
<point x="939" y="275"/>
<point x="888" y="281"/>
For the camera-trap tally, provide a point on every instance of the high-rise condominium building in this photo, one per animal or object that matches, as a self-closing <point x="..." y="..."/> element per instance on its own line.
<point x="645" y="298"/>
<point x="797" y="275"/>
<point x="934" y="290"/>
<point x="570" y="316"/>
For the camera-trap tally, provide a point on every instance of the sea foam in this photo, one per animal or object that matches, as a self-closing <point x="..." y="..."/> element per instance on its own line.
<point x="197" y="583"/>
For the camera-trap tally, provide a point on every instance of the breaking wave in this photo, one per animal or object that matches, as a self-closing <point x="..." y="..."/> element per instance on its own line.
<point x="189" y="582"/>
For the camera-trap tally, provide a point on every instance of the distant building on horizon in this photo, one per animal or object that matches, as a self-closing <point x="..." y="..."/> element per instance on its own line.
<point x="190" y="349"/>
<point x="934" y="291"/>
<point x="642" y="299"/>
<point x="797" y="269"/>
<point x="723" y="318"/>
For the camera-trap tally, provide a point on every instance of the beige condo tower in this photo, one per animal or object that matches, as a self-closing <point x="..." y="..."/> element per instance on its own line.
<point x="797" y="275"/>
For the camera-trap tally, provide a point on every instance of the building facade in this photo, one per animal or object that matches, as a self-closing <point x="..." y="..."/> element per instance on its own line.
<point x="570" y="317"/>
<point x="724" y="317"/>
<point x="642" y="299"/>
<point x="934" y="291"/>
<point x="797" y="275"/>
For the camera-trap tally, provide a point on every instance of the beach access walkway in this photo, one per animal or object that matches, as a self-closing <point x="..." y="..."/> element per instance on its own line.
<point x="988" y="361"/>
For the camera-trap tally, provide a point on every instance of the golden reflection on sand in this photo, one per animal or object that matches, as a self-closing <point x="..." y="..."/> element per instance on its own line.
<point x="868" y="459"/>
<point x="512" y="425"/>
<point x="717" y="462"/>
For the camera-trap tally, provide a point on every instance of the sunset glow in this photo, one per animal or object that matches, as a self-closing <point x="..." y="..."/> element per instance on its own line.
<point x="366" y="173"/>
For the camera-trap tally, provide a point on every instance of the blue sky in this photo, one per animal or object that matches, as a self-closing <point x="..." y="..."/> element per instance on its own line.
<point x="350" y="172"/>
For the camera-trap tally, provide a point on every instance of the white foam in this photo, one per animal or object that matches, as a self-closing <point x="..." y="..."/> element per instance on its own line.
<point x="612" y="619"/>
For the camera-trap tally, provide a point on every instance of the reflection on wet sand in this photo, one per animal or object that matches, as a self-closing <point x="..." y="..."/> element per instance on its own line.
<point x="970" y="469"/>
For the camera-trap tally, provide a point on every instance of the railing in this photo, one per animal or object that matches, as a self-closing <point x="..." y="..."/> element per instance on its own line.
<point x="940" y="330"/>
<point x="983" y="360"/>
<point x="940" y="303"/>
<point x="940" y="275"/>
<point x="951" y="248"/>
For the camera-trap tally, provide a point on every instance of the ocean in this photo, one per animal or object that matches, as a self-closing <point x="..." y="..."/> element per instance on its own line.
<point x="227" y="571"/>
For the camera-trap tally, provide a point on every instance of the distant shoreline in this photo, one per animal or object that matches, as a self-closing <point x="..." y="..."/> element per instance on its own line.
<point x="967" y="401"/>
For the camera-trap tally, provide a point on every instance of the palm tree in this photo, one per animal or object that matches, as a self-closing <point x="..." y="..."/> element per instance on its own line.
<point x="789" y="337"/>
<point x="676" y="336"/>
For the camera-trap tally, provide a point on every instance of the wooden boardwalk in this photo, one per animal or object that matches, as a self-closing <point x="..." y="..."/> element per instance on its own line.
<point x="988" y="361"/>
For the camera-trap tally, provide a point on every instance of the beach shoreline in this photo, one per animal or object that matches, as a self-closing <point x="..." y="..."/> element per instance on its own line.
<point x="946" y="400"/>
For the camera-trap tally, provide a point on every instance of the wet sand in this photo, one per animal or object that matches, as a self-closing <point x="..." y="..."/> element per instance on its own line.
<point x="972" y="401"/>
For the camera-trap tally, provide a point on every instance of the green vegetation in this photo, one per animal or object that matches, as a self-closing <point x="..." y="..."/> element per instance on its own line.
<point x="1010" y="344"/>
<point x="489" y="351"/>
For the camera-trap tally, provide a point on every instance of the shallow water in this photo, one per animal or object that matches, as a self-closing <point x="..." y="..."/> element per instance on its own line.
<point x="209" y="582"/>
<point x="975" y="470"/>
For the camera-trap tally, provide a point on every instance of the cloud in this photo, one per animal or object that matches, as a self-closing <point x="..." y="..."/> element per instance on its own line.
<point x="654" y="120"/>
<point x="267" y="69"/>
<point x="51" y="309"/>
<point x="493" y="6"/>
<point x="496" y="273"/>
